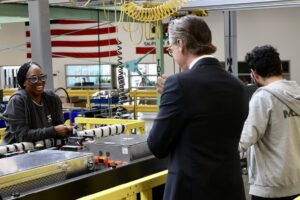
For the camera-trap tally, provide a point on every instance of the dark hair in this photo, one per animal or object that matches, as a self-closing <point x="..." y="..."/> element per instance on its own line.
<point x="195" y="34"/>
<point x="265" y="61"/>
<point x="21" y="75"/>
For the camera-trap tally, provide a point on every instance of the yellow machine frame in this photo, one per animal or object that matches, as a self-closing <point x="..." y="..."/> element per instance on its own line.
<point x="135" y="94"/>
<point x="130" y="125"/>
<point x="83" y="93"/>
<point x="129" y="190"/>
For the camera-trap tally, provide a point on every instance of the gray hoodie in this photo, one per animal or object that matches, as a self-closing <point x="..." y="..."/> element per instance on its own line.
<point x="271" y="134"/>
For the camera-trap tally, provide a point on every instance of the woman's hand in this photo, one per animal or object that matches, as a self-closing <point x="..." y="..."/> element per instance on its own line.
<point x="63" y="130"/>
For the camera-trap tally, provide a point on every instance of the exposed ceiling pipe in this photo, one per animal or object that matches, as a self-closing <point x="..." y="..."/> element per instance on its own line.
<point x="24" y="1"/>
<point x="240" y="4"/>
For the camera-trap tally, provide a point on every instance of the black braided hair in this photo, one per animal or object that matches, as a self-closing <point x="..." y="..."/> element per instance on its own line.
<point x="21" y="75"/>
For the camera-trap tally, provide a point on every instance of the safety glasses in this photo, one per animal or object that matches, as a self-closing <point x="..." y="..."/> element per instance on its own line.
<point x="170" y="50"/>
<point x="35" y="79"/>
<point x="171" y="46"/>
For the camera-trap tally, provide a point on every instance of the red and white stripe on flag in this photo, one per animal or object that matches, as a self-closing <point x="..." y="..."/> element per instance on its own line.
<point x="80" y="39"/>
<point x="144" y="50"/>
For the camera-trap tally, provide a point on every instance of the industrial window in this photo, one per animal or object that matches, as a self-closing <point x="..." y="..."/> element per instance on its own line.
<point x="8" y="76"/>
<point x="147" y="79"/>
<point x="244" y="71"/>
<point x="90" y="76"/>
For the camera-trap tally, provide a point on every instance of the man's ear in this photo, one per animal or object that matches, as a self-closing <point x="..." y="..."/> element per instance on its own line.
<point x="254" y="74"/>
<point x="180" y="45"/>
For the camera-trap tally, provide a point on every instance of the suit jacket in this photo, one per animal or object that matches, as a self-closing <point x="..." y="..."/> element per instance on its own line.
<point x="199" y="124"/>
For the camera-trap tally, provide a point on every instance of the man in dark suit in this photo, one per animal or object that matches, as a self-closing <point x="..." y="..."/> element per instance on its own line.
<point x="200" y="119"/>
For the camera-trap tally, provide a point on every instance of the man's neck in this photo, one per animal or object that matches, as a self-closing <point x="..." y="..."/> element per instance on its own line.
<point x="271" y="79"/>
<point x="194" y="58"/>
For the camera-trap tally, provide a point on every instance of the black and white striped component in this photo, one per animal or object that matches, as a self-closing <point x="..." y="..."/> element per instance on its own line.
<point x="27" y="146"/>
<point x="51" y="142"/>
<point x="104" y="131"/>
<point x="23" y="146"/>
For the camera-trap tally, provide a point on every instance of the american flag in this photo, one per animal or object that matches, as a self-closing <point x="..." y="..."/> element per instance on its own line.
<point x="80" y="39"/>
<point x="144" y="50"/>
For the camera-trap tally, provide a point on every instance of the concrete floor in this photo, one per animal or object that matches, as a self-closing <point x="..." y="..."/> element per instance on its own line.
<point x="149" y="117"/>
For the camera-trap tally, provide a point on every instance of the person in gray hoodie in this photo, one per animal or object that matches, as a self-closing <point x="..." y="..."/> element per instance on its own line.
<point x="271" y="132"/>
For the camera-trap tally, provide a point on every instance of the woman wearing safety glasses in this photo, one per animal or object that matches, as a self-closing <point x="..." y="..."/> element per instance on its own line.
<point x="33" y="114"/>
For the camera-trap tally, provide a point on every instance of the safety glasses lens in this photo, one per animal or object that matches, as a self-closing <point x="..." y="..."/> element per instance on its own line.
<point x="35" y="79"/>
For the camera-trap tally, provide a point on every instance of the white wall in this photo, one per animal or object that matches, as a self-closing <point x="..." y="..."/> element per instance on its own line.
<point x="278" y="27"/>
<point x="12" y="35"/>
<point x="215" y="21"/>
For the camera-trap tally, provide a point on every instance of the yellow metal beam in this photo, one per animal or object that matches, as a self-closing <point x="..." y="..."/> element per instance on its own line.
<point x="146" y="108"/>
<point x="9" y="92"/>
<point x="145" y="195"/>
<point x="143" y="93"/>
<point x="135" y="94"/>
<point x="83" y="93"/>
<point x="129" y="190"/>
<point x="87" y="94"/>
<point x="139" y="125"/>
<point x="2" y="133"/>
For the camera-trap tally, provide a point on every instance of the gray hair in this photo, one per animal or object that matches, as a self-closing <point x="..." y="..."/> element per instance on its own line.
<point x="195" y="34"/>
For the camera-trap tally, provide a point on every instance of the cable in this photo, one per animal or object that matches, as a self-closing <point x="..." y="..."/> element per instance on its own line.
<point x="152" y="11"/>
<point x="147" y="37"/>
<point x="66" y="92"/>
<point x="122" y="93"/>
<point x="131" y="38"/>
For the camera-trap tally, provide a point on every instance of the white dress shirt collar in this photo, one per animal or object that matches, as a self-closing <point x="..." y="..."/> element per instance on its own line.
<point x="197" y="59"/>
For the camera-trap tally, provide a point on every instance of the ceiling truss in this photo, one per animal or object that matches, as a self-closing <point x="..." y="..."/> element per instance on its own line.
<point x="16" y="10"/>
